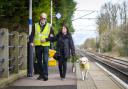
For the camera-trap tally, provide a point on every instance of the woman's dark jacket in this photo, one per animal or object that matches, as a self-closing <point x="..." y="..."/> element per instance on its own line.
<point x="65" y="44"/>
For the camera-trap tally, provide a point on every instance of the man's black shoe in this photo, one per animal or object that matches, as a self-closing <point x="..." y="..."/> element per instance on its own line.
<point x="45" y="77"/>
<point x="39" y="78"/>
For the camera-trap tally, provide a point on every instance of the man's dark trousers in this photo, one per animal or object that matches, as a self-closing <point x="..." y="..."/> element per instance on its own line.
<point x="42" y="59"/>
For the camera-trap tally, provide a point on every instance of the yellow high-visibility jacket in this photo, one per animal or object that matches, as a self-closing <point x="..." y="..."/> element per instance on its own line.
<point x="41" y="35"/>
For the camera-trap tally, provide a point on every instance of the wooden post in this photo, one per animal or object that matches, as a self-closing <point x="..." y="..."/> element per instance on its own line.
<point x="4" y="53"/>
<point x="13" y="52"/>
<point x="23" y="51"/>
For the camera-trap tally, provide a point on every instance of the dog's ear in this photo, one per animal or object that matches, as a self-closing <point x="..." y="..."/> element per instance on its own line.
<point x="87" y="60"/>
<point x="81" y="59"/>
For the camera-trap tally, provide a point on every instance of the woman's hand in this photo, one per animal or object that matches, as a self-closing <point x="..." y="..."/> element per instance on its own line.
<point x="32" y="44"/>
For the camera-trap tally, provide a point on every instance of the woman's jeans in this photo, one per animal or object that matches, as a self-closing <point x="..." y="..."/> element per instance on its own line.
<point x="62" y="64"/>
<point x="42" y="53"/>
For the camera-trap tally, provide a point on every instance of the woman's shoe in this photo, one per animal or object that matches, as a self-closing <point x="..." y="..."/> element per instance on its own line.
<point x="40" y="78"/>
<point x="63" y="78"/>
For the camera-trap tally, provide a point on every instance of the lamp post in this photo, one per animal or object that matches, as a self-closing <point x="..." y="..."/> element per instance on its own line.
<point x="30" y="48"/>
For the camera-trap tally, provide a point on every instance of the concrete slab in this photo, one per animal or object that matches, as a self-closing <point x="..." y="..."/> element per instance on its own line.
<point x="54" y="79"/>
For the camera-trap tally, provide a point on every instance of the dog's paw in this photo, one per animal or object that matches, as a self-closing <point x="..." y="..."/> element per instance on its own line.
<point x="83" y="78"/>
<point x="73" y="70"/>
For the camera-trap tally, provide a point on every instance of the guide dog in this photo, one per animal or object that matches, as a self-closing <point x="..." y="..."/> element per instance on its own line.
<point x="84" y="67"/>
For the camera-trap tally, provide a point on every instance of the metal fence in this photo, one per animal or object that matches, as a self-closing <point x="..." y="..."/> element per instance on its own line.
<point x="13" y="52"/>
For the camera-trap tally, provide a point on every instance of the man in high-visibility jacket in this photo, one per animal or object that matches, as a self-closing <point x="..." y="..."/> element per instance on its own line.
<point x="42" y="30"/>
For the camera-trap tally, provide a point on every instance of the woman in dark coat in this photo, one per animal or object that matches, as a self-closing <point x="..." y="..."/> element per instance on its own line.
<point x="65" y="47"/>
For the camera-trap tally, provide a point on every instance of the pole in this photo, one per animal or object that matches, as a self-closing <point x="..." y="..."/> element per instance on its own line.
<point x="51" y="12"/>
<point x="51" y="44"/>
<point x="30" y="48"/>
<point x="30" y="17"/>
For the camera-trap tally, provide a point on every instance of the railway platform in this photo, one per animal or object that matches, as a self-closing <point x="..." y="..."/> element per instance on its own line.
<point x="97" y="79"/>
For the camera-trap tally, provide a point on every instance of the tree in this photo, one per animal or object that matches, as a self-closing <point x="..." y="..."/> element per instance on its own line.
<point x="112" y="27"/>
<point x="124" y="40"/>
<point x="90" y="44"/>
<point x="66" y="8"/>
<point x="14" y="13"/>
<point x="107" y="22"/>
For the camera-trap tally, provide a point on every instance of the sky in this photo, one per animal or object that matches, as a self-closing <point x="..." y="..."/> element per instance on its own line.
<point x="86" y="28"/>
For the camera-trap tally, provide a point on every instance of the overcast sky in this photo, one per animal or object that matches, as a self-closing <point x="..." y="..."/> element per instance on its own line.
<point x="86" y="28"/>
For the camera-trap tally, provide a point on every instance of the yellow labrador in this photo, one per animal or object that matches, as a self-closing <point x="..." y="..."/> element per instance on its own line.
<point x="84" y="67"/>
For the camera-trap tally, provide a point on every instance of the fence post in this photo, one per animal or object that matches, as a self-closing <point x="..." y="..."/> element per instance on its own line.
<point x="4" y="53"/>
<point x="23" y="51"/>
<point x="13" y="52"/>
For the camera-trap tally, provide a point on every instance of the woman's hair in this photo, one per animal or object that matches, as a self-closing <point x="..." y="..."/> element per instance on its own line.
<point x="64" y="25"/>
